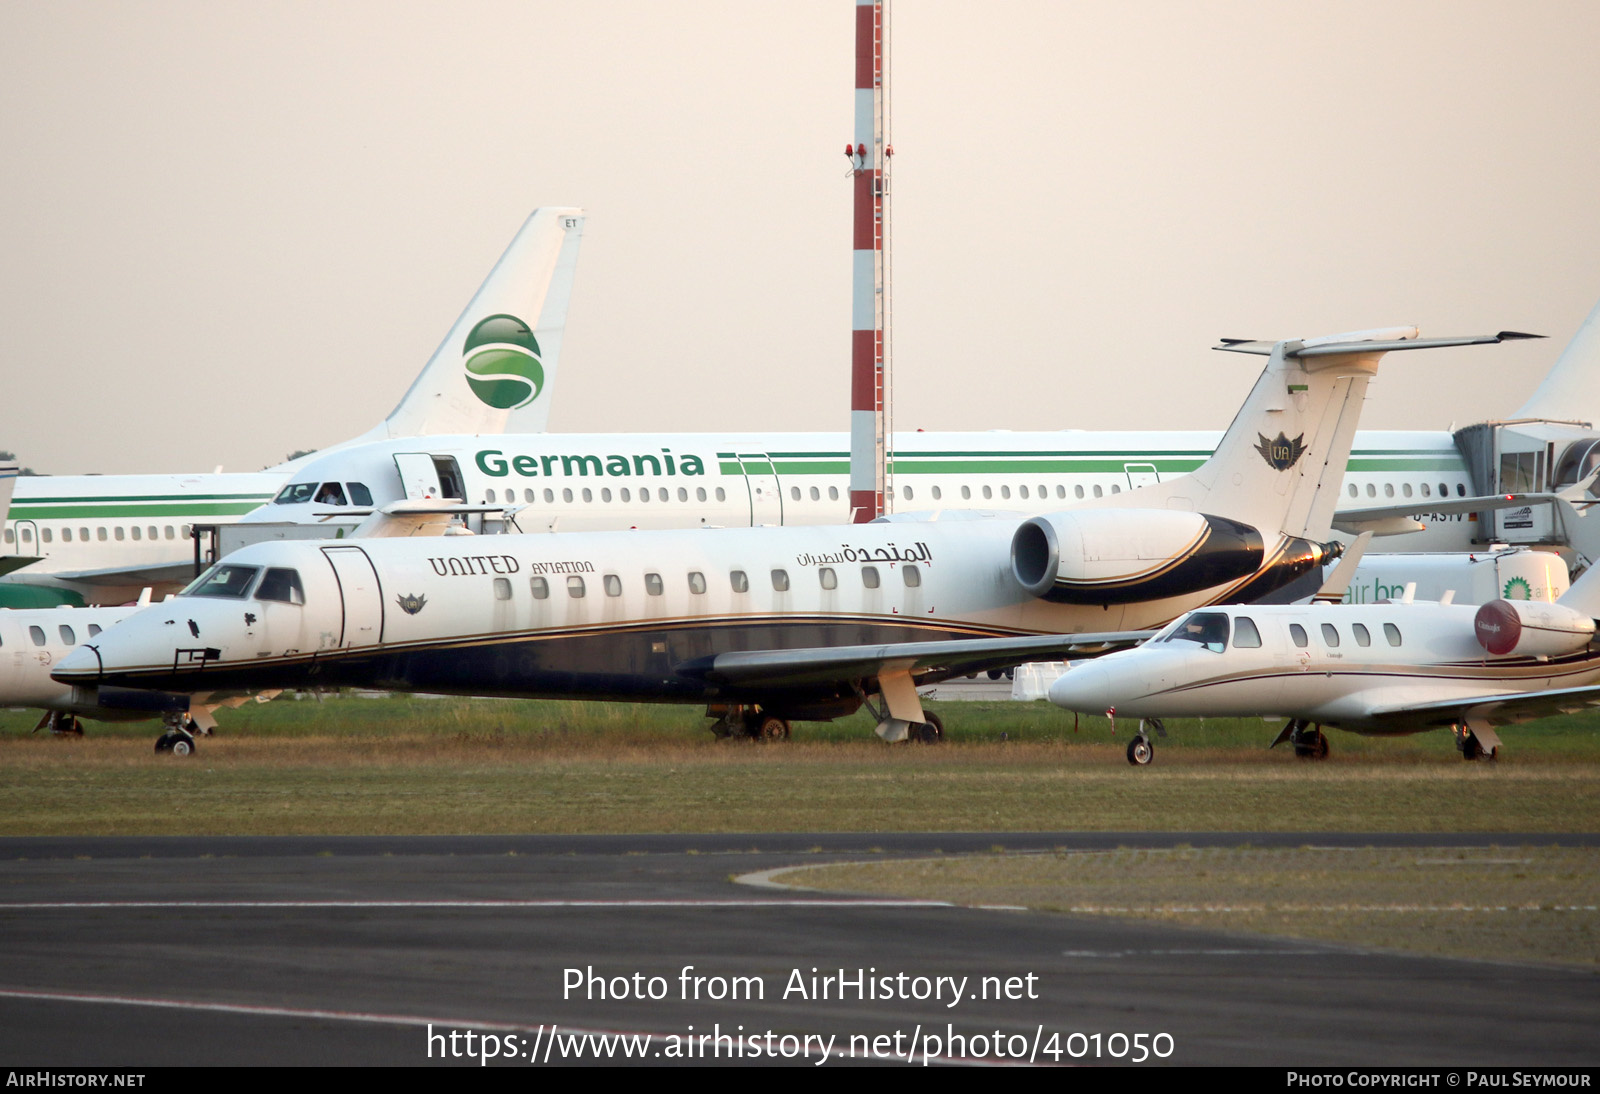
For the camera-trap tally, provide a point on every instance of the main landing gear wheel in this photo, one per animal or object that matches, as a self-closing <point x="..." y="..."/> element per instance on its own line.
<point x="1311" y="744"/>
<point x="769" y="727"/>
<point x="930" y="732"/>
<point x="177" y="742"/>
<point x="1141" y="752"/>
<point x="1472" y="749"/>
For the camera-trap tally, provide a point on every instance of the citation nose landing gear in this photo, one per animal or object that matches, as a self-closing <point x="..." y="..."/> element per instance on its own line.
<point x="1140" y="750"/>
<point x="179" y="736"/>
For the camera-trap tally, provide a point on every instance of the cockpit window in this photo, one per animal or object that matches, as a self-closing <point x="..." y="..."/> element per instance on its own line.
<point x="1210" y="629"/>
<point x="223" y="579"/>
<point x="1245" y="635"/>
<point x="330" y="493"/>
<point x="281" y="585"/>
<point x="359" y="494"/>
<point x="296" y="494"/>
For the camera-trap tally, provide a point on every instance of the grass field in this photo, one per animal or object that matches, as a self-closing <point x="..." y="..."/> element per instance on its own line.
<point x="347" y="765"/>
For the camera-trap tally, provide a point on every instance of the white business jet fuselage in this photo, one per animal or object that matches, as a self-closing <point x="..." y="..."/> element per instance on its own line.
<point x="790" y="622"/>
<point x="1390" y="668"/>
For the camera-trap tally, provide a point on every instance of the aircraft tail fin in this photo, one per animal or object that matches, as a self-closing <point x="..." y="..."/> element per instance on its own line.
<point x="1280" y="465"/>
<point x="495" y="371"/>
<point x="1570" y="391"/>
<point x="8" y="483"/>
<point x="1584" y="594"/>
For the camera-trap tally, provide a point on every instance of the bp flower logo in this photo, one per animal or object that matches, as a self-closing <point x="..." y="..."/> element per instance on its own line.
<point x="502" y="363"/>
<point x="1517" y="589"/>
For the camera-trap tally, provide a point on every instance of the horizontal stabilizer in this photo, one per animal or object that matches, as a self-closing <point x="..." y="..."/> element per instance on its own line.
<point x="1369" y="341"/>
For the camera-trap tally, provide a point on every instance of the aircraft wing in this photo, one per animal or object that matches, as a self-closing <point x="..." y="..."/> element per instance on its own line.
<point x="1522" y="706"/>
<point x="169" y="573"/>
<point x="924" y="662"/>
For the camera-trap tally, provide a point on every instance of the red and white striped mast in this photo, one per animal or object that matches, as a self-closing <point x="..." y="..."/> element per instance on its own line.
<point x="870" y="153"/>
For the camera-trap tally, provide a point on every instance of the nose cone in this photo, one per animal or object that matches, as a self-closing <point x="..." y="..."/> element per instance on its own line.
<point x="80" y="666"/>
<point x="1086" y="688"/>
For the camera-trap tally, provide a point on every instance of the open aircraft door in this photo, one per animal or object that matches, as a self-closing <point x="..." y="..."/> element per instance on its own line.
<point x="362" y="596"/>
<point x="766" y="493"/>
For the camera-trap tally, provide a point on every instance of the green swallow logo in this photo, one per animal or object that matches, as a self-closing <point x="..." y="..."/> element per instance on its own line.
<point x="502" y="363"/>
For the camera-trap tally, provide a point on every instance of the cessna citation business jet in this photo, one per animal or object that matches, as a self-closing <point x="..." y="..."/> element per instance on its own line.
<point x="1380" y="669"/>
<point x="72" y="539"/>
<point x="765" y="625"/>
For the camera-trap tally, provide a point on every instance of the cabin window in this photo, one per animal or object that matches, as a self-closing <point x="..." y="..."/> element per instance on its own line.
<point x="1353" y="491"/>
<point x="937" y="493"/>
<point x="1297" y="635"/>
<point x="740" y="581"/>
<point x="1405" y="489"/>
<point x="1388" y="489"/>
<point x="644" y="493"/>
<point x="488" y="497"/>
<point x="283" y="585"/>
<point x="1362" y="637"/>
<point x="722" y="495"/>
<point x="27" y="535"/>
<point x="360" y="495"/>
<point x="1005" y="492"/>
<point x="566" y="495"/>
<point x="1115" y="488"/>
<point x="794" y="493"/>
<point x="1392" y="633"/>
<point x="67" y="637"/>
<point x="1245" y="635"/>
<point x="83" y="534"/>
<point x="869" y="576"/>
<point x="833" y="493"/>
<point x="780" y="581"/>
<point x="1427" y="491"/>
<point x="816" y="495"/>
<point x="1210" y="629"/>
<point x="539" y="587"/>
<point x="502" y="588"/>
<point x="605" y="493"/>
<point x="662" y="494"/>
<point x="697" y="582"/>
<point x="699" y="493"/>
<point x="653" y="585"/>
<point x="683" y="493"/>
<point x="588" y="495"/>
<point x="987" y="493"/>
<point x="625" y="494"/>
<point x="136" y="533"/>
<point x="550" y="496"/>
<point x="908" y="492"/>
<point x="613" y="584"/>
<point x="1098" y="492"/>
<point x="1061" y="491"/>
<point x="94" y="629"/>
<point x="912" y="576"/>
<point x="37" y="634"/>
<point x="828" y="578"/>
<point x="1372" y="491"/>
<point x="66" y="535"/>
<point x="1078" y="490"/>
<point x="575" y="587"/>
<point x="1330" y="635"/>
<point x="1461" y="490"/>
<point x="185" y="531"/>
<point x="100" y="534"/>
<point x="223" y="579"/>
<point x="1444" y="491"/>
<point x="1022" y="491"/>
<point x="966" y="493"/>
<point x="153" y="532"/>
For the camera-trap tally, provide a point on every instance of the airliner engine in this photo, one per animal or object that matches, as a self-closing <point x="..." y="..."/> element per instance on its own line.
<point x="1531" y="628"/>
<point x="1118" y="556"/>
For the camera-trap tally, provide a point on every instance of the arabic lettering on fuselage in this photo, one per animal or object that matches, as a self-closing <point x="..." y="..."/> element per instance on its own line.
<point x="917" y="552"/>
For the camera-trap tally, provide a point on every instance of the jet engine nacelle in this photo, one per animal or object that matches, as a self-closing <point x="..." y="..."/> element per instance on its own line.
<point x="1531" y="628"/>
<point x="1118" y="556"/>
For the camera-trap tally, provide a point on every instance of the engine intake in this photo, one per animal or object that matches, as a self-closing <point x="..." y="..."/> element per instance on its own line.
<point x="1119" y="556"/>
<point x="1531" y="628"/>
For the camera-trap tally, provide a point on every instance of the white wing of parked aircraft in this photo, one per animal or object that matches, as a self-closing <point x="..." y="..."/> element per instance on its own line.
<point x="768" y="624"/>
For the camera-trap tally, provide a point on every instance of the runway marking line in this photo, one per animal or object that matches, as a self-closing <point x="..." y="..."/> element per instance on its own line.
<point x="61" y="905"/>
<point x="369" y="1018"/>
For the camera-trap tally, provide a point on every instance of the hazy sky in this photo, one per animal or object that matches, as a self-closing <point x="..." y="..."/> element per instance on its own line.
<point x="233" y="230"/>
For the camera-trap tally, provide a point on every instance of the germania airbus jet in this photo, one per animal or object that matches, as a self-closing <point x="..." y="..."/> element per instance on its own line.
<point x="765" y="625"/>
<point x="101" y="538"/>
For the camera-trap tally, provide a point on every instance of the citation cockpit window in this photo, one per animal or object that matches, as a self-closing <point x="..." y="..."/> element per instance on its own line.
<point x="296" y="493"/>
<point x="1209" y="629"/>
<point x="223" y="579"/>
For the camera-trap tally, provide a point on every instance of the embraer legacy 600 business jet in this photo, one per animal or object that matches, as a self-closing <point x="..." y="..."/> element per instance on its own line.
<point x="72" y="539"/>
<point x="770" y="624"/>
<point x="1380" y="669"/>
